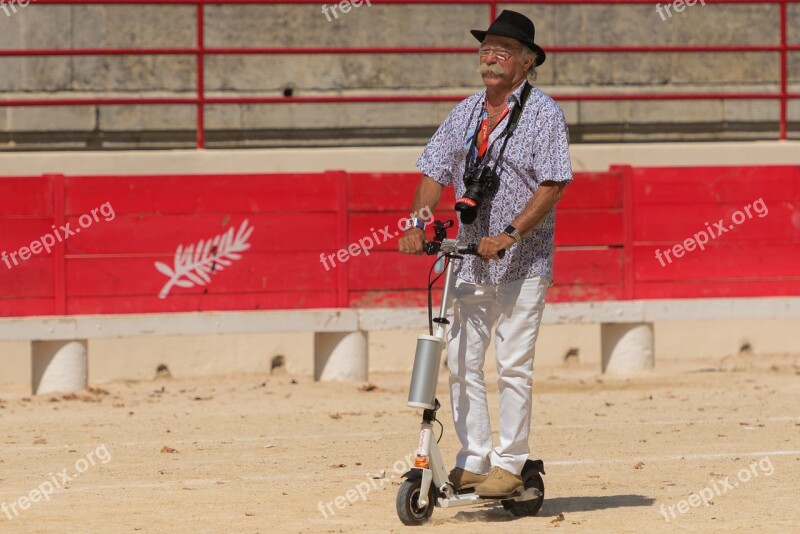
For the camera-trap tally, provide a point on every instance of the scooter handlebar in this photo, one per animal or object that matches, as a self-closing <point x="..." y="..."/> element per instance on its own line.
<point x="440" y="230"/>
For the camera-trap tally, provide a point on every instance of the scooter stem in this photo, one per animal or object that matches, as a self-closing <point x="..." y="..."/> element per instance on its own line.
<point x="442" y="319"/>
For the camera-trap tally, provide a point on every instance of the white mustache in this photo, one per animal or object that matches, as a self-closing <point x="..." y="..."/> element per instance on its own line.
<point x="494" y="68"/>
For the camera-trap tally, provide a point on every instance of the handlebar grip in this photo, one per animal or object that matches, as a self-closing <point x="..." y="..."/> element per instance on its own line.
<point x="432" y="247"/>
<point x="473" y="249"/>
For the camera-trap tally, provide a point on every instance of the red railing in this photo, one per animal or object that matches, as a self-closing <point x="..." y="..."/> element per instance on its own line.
<point x="200" y="100"/>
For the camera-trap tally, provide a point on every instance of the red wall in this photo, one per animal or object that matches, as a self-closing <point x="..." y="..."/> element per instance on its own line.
<point x="608" y="227"/>
<point x="758" y="257"/>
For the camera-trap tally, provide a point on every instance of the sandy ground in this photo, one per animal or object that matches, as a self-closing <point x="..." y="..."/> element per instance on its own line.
<point x="266" y="454"/>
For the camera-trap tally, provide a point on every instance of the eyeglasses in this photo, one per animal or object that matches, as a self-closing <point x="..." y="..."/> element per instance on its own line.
<point x="500" y="53"/>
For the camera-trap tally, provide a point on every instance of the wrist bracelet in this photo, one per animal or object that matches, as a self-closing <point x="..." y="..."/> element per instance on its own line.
<point x="415" y="222"/>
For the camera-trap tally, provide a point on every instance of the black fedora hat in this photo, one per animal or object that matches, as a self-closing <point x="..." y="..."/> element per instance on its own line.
<point x="516" y="25"/>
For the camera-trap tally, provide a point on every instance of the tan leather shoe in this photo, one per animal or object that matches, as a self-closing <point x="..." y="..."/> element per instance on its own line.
<point x="463" y="479"/>
<point x="499" y="483"/>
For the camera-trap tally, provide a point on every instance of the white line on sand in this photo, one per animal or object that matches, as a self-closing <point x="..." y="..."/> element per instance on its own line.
<point x="676" y="422"/>
<point x="169" y="484"/>
<point x="673" y="457"/>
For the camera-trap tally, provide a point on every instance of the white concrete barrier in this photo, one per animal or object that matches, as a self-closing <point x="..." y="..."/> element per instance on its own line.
<point x="58" y="366"/>
<point x="340" y="356"/>
<point x="341" y="335"/>
<point x="627" y="347"/>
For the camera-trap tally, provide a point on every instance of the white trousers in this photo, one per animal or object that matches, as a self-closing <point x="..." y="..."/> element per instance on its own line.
<point x="515" y="309"/>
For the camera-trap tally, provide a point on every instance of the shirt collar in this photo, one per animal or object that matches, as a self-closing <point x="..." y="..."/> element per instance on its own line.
<point x="516" y="94"/>
<point x="514" y="97"/>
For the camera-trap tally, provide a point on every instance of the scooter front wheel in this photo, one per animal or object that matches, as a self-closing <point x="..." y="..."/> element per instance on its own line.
<point x="408" y="509"/>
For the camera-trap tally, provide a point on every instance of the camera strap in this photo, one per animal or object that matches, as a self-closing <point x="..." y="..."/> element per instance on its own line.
<point x="510" y="127"/>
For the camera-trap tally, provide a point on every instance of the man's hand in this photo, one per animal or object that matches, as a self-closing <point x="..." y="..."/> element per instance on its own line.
<point x="411" y="242"/>
<point x="490" y="246"/>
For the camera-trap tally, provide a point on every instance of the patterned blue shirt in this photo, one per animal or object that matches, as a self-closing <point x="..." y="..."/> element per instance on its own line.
<point x="537" y="152"/>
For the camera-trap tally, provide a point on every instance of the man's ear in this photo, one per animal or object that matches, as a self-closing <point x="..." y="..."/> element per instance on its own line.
<point x="528" y="65"/>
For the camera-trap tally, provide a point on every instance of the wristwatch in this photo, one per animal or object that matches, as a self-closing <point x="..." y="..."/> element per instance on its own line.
<point x="512" y="232"/>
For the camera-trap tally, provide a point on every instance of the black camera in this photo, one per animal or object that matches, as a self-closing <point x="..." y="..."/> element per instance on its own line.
<point x="481" y="183"/>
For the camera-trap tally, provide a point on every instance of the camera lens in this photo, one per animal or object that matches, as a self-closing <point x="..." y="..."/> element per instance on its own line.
<point x="467" y="209"/>
<point x="480" y="183"/>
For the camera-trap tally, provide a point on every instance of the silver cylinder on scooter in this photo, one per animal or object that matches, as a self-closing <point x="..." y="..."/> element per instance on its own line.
<point x="425" y="375"/>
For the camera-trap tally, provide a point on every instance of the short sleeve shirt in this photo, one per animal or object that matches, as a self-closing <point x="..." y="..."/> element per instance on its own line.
<point x="537" y="152"/>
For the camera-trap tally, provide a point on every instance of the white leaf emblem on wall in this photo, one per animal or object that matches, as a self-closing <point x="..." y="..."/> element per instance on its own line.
<point x="195" y="264"/>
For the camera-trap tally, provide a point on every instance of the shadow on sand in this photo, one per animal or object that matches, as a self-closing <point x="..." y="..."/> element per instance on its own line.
<point x="558" y="505"/>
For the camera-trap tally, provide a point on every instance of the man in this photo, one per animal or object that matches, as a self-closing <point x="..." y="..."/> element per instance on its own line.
<point x="507" y="294"/>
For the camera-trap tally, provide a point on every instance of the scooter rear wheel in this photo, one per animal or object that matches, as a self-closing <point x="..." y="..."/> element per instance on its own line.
<point x="407" y="506"/>
<point x="531" y="507"/>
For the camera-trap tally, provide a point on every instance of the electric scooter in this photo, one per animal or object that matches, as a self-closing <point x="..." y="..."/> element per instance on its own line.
<point x="427" y="485"/>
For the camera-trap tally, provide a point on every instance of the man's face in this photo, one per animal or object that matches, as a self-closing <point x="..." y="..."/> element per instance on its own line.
<point x="501" y="61"/>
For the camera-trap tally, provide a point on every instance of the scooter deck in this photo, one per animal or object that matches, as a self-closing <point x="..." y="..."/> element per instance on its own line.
<point x="470" y="497"/>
